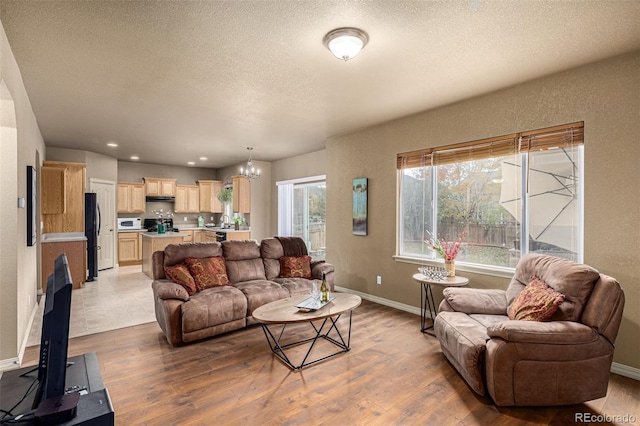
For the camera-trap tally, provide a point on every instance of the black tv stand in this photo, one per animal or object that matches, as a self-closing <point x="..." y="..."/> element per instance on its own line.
<point x="93" y="407"/>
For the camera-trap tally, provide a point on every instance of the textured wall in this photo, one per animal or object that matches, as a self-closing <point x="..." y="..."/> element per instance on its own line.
<point x="18" y="263"/>
<point x="605" y="95"/>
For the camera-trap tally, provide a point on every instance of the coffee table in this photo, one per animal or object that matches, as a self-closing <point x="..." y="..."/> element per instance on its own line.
<point x="284" y="312"/>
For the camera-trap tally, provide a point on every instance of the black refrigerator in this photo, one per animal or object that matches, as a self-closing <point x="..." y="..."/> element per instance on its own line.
<point x="91" y="231"/>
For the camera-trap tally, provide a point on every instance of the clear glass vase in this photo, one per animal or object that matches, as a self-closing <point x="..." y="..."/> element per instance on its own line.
<point x="450" y="265"/>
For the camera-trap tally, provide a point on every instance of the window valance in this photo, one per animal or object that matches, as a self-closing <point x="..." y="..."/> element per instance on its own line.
<point x="565" y="135"/>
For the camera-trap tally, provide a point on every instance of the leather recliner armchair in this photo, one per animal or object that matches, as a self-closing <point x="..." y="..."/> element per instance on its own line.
<point x="565" y="360"/>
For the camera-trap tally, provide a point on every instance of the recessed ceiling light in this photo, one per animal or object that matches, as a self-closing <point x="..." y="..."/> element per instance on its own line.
<point x="112" y="144"/>
<point x="191" y="163"/>
<point x="135" y="157"/>
<point x="203" y="158"/>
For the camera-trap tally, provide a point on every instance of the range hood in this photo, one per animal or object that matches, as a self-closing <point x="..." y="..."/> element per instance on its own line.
<point x="152" y="199"/>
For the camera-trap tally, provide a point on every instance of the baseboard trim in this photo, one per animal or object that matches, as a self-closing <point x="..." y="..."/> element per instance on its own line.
<point x="626" y="371"/>
<point x="616" y="368"/>
<point x="9" y="364"/>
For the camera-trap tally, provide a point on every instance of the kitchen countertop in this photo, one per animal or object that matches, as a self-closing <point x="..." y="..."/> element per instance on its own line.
<point x="63" y="237"/>
<point x="205" y="228"/>
<point x="165" y="235"/>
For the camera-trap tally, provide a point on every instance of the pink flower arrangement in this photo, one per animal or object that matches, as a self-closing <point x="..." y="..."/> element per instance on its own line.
<point x="447" y="249"/>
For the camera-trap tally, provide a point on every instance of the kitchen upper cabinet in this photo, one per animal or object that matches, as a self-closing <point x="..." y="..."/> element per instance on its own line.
<point x="241" y="194"/>
<point x="131" y="198"/>
<point x="160" y="187"/>
<point x="62" y="197"/>
<point x="187" y="199"/>
<point x="209" y="202"/>
<point x="53" y="190"/>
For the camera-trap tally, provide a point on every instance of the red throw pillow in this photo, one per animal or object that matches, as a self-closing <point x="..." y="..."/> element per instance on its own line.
<point x="295" y="267"/>
<point x="537" y="302"/>
<point x="208" y="271"/>
<point x="180" y="274"/>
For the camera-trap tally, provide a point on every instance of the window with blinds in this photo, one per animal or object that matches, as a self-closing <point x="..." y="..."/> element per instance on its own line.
<point x="509" y="195"/>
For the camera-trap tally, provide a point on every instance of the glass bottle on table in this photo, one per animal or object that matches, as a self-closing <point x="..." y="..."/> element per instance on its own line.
<point x="324" y="289"/>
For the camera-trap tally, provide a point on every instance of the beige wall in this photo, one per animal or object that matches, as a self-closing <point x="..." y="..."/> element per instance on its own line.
<point x="98" y="166"/>
<point x="19" y="147"/>
<point x="300" y="166"/>
<point x="604" y="95"/>
<point x="260" y="216"/>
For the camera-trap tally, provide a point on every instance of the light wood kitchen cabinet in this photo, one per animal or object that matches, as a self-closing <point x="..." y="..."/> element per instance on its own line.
<point x="187" y="199"/>
<point x="129" y="248"/>
<point x="160" y="187"/>
<point x="238" y="235"/>
<point x="209" y="236"/>
<point x="63" y="200"/>
<point x="53" y="190"/>
<point x="209" y="202"/>
<point x="76" y="252"/>
<point x="241" y="194"/>
<point x="131" y="198"/>
<point x="188" y="235"/>
<point x="197" y="236"/>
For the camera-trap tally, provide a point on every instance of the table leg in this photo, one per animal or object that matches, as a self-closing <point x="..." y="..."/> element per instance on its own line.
<point x="279" y="349"/>
<point x="428" y="307"/>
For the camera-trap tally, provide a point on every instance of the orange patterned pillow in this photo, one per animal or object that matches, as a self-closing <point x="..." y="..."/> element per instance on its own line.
<point x="180" y="274"/>
<point x="295" y="267"/>
<point x="208" y="271"/>
<point x="537" y="302"/>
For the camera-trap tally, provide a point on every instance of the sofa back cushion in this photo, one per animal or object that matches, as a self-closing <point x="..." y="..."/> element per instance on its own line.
<point x="243" y="261"/>
<point x="177" y="253"/>
<point x="271" y="251"/>
<point x="574" y="280"/>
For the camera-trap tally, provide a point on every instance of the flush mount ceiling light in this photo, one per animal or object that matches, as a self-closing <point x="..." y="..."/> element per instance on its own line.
<point x="250" y="172"/>
<point x="346" y="43"/>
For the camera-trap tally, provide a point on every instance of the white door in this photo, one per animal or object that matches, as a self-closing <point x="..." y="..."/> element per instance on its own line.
<point x="106" y="195"/>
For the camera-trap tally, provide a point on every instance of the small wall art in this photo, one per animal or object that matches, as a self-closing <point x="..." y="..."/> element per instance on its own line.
<point x="32" y="180"/>
<point x="360" y="187"/>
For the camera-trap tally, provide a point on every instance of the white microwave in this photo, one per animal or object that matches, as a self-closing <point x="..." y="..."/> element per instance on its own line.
<point x="129" y="223"/>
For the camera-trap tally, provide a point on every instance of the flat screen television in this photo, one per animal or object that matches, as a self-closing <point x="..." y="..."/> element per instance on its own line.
<point x="54" y="343"/>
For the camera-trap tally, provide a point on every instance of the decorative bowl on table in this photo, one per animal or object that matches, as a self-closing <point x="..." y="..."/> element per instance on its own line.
<point x="433" y="272"/>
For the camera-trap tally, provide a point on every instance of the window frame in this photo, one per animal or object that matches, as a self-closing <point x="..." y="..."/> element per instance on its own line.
<point x="435" y="155"/>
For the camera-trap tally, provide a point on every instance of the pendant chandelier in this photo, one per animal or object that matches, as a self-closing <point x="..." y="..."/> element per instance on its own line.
<point x="250" y="171"/>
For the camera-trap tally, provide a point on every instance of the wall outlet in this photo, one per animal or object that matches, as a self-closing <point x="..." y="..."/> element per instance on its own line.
<point x="379" y="279"/>
<point x="185" y="218"/>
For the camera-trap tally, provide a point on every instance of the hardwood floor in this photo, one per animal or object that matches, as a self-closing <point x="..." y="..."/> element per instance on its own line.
<point x="393" y="375"/>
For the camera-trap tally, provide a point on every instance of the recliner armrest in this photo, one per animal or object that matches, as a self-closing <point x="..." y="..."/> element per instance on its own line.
<point x="554" y="332"/>
<point x="165" y="289"/>
<point x="476" y="301"/>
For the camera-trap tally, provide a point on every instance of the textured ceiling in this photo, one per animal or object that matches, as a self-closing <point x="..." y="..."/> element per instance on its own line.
<point x="172" y="81"/>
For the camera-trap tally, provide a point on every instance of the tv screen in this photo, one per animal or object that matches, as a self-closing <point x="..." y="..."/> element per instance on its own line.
<point x="54" y="342"/>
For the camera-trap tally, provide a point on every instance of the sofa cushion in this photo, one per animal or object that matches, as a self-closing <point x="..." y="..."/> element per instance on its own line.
<point x="211" y="307"/>
<point x="574" y="280"/>
<point x="261" y="292"/>
<point x="243" y="261"/>
<point x="537" y="302"/>
<point x="271" y="251"/>
<point x="177" y="253"/>
<point x="208" y="271"/>
<point x="180" y="274"/>
<point x="295" y="267"/>
<point x="297" y="286"/>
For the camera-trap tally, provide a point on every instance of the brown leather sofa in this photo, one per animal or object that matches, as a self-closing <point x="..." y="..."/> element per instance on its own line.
<point x="253" y="271"/>
<point x="565" y="360"/>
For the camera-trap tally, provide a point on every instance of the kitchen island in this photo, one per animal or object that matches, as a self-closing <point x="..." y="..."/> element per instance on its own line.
<point x="152" y="242"/>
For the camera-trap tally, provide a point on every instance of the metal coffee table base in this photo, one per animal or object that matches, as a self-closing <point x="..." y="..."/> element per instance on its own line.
<point x="279" y="349"/>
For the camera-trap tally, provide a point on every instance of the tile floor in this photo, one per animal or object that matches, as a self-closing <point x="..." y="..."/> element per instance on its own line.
<point x="120" y="297"/>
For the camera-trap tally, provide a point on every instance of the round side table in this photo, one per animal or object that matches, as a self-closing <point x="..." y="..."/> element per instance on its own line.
<point x="427" y="304"/>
